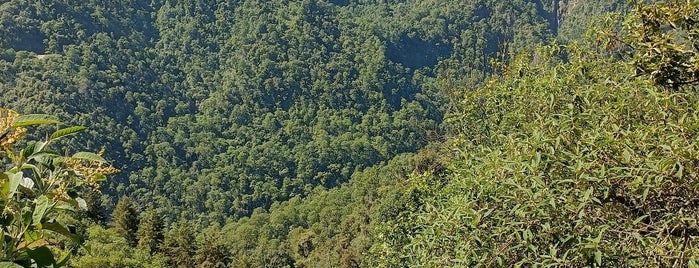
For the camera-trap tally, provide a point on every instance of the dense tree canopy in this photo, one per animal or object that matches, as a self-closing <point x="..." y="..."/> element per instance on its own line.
<point x="215" y="109"/>
<point x="354" y="133"/>
<point x="570" y="158"/>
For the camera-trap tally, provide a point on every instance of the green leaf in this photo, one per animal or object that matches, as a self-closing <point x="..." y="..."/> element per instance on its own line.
<point x="638" y="237"/>
<point x="70" y="205"/>
<point x="26" y="217"/>
<point x="598" y="257"/>
<point x="67" y="131"/>
<point x="680" y="170"/>
<point x="627" y="156"/>
<point x="34" y="119"/>
<point x="9" y="265"/>
<point x="38" y="156"/>
<point x="42" y="205"/>
<point x="10" y="187"/>
<point x="89" y="156"/>
<point x="645" y="194"/>
<point x="63" y="260"/>
<point x="99" y="177"/>
<point x="60" y="229"/>
<point x="639" y="219"/>
<point x="32" y="235"/>
<point x="42" y="256"/>
<point x="29" y="150"/>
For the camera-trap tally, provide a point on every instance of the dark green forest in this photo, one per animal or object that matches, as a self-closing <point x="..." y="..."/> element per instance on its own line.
<point x="352" y="133"/>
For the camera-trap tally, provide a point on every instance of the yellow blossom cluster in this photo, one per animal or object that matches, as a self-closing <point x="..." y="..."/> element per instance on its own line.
<point x="89" y="169"/>
<point x="8" y="135"/>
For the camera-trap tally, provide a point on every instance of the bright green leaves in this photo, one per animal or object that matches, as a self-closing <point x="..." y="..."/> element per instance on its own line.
<point x="34" y="119"/>
<point x="664" y="37"/>
<point x="89" y="156"/>
<point x="9" y="265"/>
<point x="66" y="131"/>
<point x="42" y="205"/>
<point x="40" y="184"/>
<point x="10" y="183"/>
<point x="577" y="162"/>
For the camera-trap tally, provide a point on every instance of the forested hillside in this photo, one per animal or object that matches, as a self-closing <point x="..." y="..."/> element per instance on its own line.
<point x="319" y="133"/>
<point x="215" y="109"/>
<point x="577" y="156"/>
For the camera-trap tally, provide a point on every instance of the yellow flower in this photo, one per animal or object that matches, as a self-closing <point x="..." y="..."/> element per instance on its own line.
<point x="8" y="135"/>
<point x="89" y="170"/>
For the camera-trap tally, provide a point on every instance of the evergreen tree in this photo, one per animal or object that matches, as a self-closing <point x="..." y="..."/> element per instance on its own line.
<point x="95" y="209"/>
<point x="211" y="250"/>
<point x="125" y="220"/>
<point x="180" y="245"/>
<point x="150" y="232"/>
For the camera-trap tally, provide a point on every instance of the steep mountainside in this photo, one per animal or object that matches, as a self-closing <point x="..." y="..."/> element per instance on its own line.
<point x="305" y="133"/>
<point x="214" y="109"/>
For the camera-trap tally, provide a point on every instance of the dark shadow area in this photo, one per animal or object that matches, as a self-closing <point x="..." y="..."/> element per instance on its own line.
<point x="32" y="41"/>
<point x="341" y="3"/>
<point x="483" y="12"/>
<point x="415" y="53"/>
<point x="551" y="15"/>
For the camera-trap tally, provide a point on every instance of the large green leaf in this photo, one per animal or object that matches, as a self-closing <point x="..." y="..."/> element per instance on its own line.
<point x="42" y="256"/>
<point x="10" y="187"/>
<point x="33" y="149"/>
<point x="67" y="131"/>
<point x="9" y="265"/>
<point x="42" y="205"/>
<point x="34" y="119"/>
<point x="89" y="156"/>
<point x="60" y="229"/>
<point x="29" y="150"/>
<point x="39" y="156"/>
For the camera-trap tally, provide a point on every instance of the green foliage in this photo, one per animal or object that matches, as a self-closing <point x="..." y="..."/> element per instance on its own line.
<point x="296" y="232"/>
<point x="574" y="18"/>
<point x="276" y="117"/>
<point x="179" y="247"/>
<point x="125" y="220"/>
<point x="219" y="108"/>
<point x="107" y="248"/>
<point x="39" y="190"/>
<point x="150" y="232"/>
<point x="568" y="159"/>
<point x="211" y="249"/>
<point x="664" y="38"/>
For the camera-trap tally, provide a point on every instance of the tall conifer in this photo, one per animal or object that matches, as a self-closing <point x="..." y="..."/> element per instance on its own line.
<point x="150" y="232"/>
<point x="125" y="220"/>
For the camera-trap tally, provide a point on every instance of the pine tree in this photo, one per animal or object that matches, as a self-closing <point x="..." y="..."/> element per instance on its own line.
<point x="125" y="220"/>
<point x="150" y="232"/>
<point x="211" y="250"/>
<point x="94" y="206"/>
<point x="180" y="245"/>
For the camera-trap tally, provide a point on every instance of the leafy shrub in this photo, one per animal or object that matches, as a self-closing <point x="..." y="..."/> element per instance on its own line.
<point x="569" y="159"/>
<point x="37" y="186"/>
